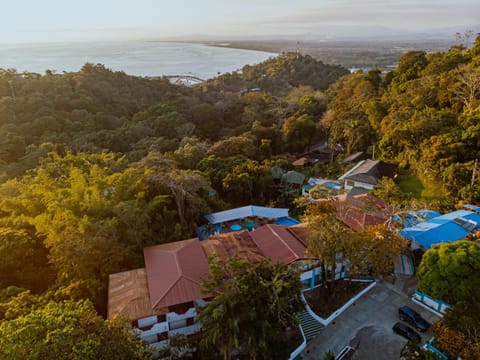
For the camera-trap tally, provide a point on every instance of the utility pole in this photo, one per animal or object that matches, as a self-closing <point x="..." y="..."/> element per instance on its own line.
<point x="222" y="92"/>
<point x="474" y="172"/>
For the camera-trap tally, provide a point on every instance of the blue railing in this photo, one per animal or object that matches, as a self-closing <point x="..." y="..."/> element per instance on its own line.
<point x="430" y="347"/>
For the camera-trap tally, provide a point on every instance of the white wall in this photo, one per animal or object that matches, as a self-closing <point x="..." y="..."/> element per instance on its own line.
<point x="359" y="184"/>
<point x="172" y="316"/>
<point x="175" y="323"/>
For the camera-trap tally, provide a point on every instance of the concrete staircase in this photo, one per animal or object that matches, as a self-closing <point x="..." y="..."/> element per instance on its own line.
<point x="310" y="326"/>
<point x="404" y="265"/>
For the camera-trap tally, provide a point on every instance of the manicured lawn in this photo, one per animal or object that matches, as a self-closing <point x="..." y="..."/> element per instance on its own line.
<point x="418" y="188"/>
<point x="433" y="191"/>
<point x="324" y="303"/>
<point x="410" y="184"/>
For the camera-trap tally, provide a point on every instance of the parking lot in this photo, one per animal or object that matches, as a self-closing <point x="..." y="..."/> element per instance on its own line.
<point x="367" y="326"/>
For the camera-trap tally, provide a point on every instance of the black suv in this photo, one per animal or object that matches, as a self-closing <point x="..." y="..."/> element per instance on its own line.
<point x="410" y="316"/>
<point x="407" y="332"/>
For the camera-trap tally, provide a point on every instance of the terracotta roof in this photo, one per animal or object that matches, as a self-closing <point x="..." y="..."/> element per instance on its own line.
<point x="128" y="295"/>
<point x="360" y="211"/>
<point x="233" y="244"/>
<point x="276" y="242"/>
<point x="174" y="272"/>
<point x="300" y="231"/>
<point x="301" y="161"/>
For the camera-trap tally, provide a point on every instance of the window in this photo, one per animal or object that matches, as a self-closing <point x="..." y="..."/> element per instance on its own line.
<point x="162" y="336"/>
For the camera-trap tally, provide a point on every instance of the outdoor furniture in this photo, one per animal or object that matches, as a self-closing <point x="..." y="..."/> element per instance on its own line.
<point x="235" y="227"/>
<point x="250" y="225"/>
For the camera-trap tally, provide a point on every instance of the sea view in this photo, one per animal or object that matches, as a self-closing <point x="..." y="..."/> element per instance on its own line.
<point x="142" y="58"/>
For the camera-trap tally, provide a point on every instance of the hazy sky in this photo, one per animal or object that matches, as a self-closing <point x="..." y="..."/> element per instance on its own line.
<point x="63" y="20"/>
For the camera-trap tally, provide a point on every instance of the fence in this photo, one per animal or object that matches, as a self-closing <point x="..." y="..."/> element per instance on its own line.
<point x="429" y="346"/>
<point x="438" y="306"/>
<point x="337" y="312"/>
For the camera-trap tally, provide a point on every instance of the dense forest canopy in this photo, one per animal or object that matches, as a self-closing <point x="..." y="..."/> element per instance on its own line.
<point x="96" y="164"/>
<point x="424" y="116"/>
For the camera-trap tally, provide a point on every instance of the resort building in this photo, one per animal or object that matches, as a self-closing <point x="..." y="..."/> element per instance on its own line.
<point x="243" y="218"/>
<point x="160" y="299"/>
<point x="427" y="228"/>
<point x="367" y="173"/>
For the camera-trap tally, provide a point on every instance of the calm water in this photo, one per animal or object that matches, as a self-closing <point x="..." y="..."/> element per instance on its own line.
<point x="142" y="58"/>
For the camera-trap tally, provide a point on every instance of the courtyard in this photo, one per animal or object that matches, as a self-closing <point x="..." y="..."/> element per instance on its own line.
<point x="367" y="325"/>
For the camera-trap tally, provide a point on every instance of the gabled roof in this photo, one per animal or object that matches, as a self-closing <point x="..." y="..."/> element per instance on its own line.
<point x="448" y="227"/>
<point x="233" y="244"/>
<point x="358" y="156"/>
<point x="293" y="177"/>
<point x="428" y="234"/>
<point x="360" y="211"/>
<point x="300" y="231"/>
<point x="246" y="211"/>
<point x="174" y="272"/>
<point x="301" y="161"/>
<point x="321" y="146"/>
<point x="277" y="172"/>
<point x="369" y="171"/>
<point x="128" y="295"/>
<point x="276" y="242"/>
<point x="475" y="209"/>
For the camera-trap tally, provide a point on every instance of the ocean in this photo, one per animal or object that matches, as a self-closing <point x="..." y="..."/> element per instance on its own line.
<point x="142" y="58"/>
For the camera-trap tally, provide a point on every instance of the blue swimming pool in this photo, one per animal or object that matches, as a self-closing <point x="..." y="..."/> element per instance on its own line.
<point x="287" y="221"/>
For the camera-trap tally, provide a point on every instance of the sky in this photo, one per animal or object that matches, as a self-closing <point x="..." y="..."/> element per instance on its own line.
<point x="86" y="20"/>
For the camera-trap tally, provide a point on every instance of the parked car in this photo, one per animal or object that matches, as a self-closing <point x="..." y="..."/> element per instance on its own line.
<point x="407" y="332"/>
<point x="410" y="316"/>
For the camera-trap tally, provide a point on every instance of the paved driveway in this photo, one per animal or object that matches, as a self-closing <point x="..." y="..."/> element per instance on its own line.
<point x="367" y="326"/>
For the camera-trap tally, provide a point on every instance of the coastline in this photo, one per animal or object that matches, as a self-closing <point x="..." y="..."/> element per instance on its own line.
<point x="140" y="58"/>
<point x="245" y="45"/>
<point x="381" y="54"/>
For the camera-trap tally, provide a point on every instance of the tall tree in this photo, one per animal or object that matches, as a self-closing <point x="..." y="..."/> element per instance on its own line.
<point x="377" y="249"/>
<point x="252" y="305"/>
<point x="299" y="131"/>
<point x="450" y="271"/>
<point x="457" y="334"/>
<point x="329" y="241"/>
<point x="68" y="330"/>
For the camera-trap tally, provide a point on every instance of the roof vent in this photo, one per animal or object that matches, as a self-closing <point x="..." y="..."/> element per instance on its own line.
<point x="468" y="225"/>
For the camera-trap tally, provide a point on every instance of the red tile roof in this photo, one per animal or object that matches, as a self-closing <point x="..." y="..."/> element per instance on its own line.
<point x="233" y="244"/>
<point x="128" y="295"/>
<point x="174" y="272"/>
<point x="300" y="231"/>
<point x="276" y="242"/>
<point x="360" y="211"/>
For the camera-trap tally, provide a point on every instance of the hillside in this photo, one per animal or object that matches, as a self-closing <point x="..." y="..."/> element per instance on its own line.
<point x="95" y="165"/>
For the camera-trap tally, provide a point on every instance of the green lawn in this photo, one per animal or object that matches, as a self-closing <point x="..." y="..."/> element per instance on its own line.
<point x="418" y="189"/>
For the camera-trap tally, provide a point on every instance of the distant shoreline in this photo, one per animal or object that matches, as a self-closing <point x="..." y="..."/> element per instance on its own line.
<point x="140" y="58"/>
<point x="240" y="45"/>
<point x="243" y="46"/>
<point x="347" y="53"/>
